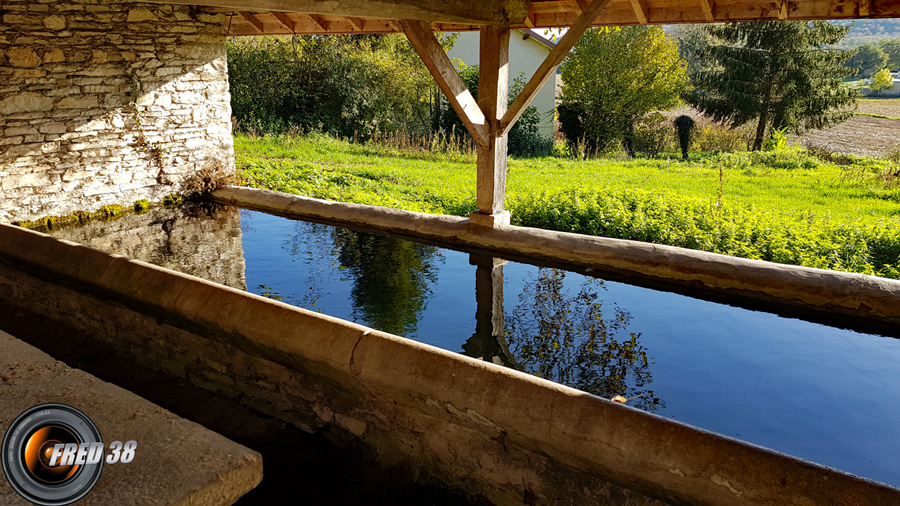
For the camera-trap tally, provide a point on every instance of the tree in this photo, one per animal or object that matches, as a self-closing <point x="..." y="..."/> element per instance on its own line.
<point x="780" y="74"/>
<point x="882" y="81"/>
<point x="612" y="77"/>
<point x="867" y="60"/>
<point x="891" y="48"/>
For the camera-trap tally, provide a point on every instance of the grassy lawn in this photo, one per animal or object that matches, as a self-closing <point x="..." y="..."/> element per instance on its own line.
<point x="784" y="206"/>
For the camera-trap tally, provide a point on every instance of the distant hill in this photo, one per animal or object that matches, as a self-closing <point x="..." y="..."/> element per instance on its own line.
<point x="865" y="30"/>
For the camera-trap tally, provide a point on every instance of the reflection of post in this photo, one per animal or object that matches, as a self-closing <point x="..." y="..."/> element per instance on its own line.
<point x="489" y="342"/>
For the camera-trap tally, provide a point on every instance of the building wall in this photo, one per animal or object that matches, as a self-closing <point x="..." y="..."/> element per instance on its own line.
<point x="525" y="56"/>
<point x="106" y="102"/>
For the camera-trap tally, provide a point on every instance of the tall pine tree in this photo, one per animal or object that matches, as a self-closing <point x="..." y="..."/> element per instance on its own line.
<point x="782" y="74"/>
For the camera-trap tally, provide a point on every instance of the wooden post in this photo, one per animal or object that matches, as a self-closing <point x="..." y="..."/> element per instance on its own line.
<point x="493" y="89"/>
<point x="489" y="120"/>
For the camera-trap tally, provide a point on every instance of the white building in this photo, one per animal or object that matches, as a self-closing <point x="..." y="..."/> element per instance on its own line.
<point x="527" y="50"/>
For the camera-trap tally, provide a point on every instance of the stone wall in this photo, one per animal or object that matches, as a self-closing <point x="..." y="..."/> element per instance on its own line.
<point x="105" y="101"/>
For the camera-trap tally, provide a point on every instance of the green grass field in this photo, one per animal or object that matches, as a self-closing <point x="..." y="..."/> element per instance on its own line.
<point x="785" y="206"/>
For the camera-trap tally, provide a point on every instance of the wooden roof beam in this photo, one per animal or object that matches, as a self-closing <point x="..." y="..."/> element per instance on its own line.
<point x="865" y="7"/>
<point x="318" y="22"/>
<point x="640" y="11"/>
<point x="356" y="23"/>
<point x="708" y="7"/>
<point x="285" y="21"/>
<point x="253" y="20"/>
<point x="482" y="12"/>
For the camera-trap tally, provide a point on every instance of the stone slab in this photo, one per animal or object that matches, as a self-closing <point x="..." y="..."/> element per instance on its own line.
<point x="177" y="462"/>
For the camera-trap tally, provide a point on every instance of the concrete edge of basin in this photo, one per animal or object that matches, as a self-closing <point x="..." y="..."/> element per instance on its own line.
<point x="850" y="294"/>
<point x="651" y="454"/>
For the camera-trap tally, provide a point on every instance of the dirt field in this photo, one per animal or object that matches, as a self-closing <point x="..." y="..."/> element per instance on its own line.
<point x="861" y="135"/>
<point x="883" y="107"/>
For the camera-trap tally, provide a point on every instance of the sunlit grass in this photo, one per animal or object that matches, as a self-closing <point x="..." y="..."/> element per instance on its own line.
<point x="808" y="187"/>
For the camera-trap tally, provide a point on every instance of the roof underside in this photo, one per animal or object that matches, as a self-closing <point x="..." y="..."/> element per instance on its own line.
<point x="252" y="17"/>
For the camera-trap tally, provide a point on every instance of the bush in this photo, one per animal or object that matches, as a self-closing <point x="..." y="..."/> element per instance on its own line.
<point x="671" y="219"/>
<point x="652" y="134"/>
<point x="709" y="135"/>
<point x="349" y="85"/>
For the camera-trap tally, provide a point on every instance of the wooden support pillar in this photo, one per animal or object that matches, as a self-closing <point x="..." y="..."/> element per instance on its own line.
<point x="489" y="120"/>
<point x="493" y="89"/>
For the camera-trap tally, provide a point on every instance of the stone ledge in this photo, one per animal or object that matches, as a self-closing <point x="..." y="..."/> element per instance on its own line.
<point x="176" y="461"/>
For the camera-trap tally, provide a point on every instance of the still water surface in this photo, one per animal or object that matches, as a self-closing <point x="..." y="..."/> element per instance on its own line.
<point x="821" y="393"/>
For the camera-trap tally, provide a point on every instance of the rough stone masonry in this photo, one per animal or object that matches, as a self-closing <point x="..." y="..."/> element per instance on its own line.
<point x="108" y="102"/>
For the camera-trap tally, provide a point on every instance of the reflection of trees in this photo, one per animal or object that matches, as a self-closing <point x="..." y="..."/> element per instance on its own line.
<point x="565" y="338"/>
<point x="312" y="243"/>
<point x="391" y="278"/>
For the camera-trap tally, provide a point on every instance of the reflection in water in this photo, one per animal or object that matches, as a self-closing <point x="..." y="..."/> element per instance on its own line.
<point x="565" y="338"/>
<point x="312" y="242"/>
<point x="774" y="381"/>
<point x="201" y="239"/>
<point x="391" y="278"/>
<point x="489" y="340"/>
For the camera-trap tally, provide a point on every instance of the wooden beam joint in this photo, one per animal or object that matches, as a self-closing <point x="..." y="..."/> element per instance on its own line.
<point x="548" y="67"/>
<point x="640" y="11"/>
<point x="709" y="9"/>
<point x="285" y="21"/>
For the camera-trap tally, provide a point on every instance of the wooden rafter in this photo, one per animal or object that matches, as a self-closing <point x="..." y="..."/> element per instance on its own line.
<point x="529" y="21"/>
<point x="357" y="23"/>
<point x="285" y="21"/>
<point x="472" y="12"/>
<point x="640" y="11"/>
<point x="318" y="21"/>
<point x="541" y="14"/>
<point x="253" y="20"/>
<point x="708" y="7"/>
<point x="438" y="64"/>
<point x="548" y="67"/>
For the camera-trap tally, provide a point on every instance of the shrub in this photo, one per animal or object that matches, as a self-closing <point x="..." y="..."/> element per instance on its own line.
<point x="342" y="84"/>
<point x="709" y="135"/>
<point x="652" y="134"/>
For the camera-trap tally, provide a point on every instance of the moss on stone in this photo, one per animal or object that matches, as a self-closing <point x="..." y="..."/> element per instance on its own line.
<point x="173" y="200"/>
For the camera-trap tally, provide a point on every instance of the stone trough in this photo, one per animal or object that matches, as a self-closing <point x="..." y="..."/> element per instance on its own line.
<point x="444" y="418"/>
